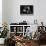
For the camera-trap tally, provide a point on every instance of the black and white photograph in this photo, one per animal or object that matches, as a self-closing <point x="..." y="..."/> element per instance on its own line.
<point x="26" y="9"/>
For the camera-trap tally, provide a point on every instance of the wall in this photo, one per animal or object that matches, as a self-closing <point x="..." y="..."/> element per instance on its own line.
<point x="12" y="11"/>
<point x="4" y="11"/>
<point x="15" y="11"/>
<point x="0" y="13"/>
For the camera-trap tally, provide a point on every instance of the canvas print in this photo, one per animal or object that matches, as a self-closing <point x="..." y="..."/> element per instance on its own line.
<point x="26" y="9"/>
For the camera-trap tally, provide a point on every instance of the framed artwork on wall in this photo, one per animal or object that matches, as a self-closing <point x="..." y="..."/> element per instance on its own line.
<point x="26" y="9"/>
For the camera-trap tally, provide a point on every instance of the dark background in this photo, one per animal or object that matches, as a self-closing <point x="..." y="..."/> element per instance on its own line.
<point x="26" y="9"/>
